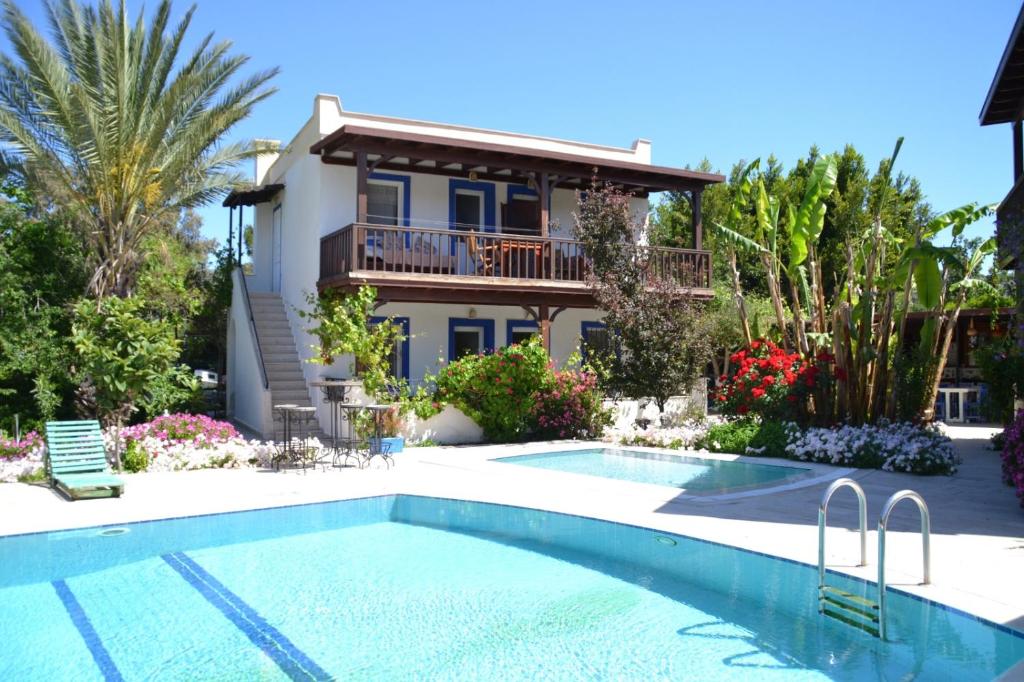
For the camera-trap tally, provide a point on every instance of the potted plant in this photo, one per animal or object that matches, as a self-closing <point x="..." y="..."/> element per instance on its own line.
<point x="390" y="422"/>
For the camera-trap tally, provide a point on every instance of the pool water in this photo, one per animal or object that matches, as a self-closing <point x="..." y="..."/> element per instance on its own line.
<point x="420" y="588"/>
<point x="695" y="474"/>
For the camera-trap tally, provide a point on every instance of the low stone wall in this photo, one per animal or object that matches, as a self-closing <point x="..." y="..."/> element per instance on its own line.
<point x="677" y="409"/>
<point x="449" y="427"/>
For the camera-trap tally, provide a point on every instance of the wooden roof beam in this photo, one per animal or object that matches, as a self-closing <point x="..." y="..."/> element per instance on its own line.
<point x="651" y="181"/>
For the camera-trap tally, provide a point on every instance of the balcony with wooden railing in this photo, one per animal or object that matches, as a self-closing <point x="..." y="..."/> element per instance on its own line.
<point x="470" y="266"/>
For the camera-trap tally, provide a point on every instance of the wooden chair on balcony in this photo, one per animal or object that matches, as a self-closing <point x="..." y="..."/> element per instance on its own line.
<point x="486" y="255"/>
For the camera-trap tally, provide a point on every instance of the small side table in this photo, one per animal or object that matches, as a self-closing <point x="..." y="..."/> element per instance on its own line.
<point x="378" y="448"/>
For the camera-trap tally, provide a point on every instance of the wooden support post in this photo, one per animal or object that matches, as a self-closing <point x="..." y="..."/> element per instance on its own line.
<point x="1018" y="151"/>
<point x="231" y="234"/>
<point x="544" y="322"/>
<point x="698" y="219"/>
<point x="544" y="199"/>
<point x="241" y="229"/>
<point x="362" y="175"/>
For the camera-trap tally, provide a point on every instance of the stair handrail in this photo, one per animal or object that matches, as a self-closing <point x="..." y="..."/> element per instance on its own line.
<point x="883" y="522"/>
<point x="862" y="507"/>
<point x="252" y="327"/>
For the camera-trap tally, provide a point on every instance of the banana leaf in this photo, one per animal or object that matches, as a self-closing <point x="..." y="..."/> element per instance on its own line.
<point x="736" y="240"/>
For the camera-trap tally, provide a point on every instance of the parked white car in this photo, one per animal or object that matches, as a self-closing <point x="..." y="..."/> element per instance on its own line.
<point x="207" y="378"/>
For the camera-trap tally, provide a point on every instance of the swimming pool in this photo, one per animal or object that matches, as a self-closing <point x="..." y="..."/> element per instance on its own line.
<point x="403" y="587"/>
<point x="695" y="474"/>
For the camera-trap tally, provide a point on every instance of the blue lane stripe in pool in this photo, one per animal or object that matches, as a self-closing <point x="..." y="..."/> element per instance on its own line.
<point x="292" y="661"/>
<point x="88" y="632"/>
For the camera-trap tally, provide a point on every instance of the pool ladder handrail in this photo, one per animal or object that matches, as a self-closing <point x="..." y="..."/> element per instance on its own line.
<point x="883" y="523"/>
<point x="926" y="534"/>
<point x="862" y="508"/>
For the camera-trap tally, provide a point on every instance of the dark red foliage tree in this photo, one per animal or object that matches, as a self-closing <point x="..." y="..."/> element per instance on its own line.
<point x="661" y="343"/>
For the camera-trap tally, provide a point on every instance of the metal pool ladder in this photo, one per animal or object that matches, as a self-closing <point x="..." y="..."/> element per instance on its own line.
<point x="844" y="606"/>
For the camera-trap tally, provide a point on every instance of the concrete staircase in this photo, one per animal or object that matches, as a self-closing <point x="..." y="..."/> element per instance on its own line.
<point x="280" y="358"/>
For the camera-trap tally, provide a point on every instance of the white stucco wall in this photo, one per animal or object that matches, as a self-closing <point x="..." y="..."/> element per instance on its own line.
<point x="248" y="401"/>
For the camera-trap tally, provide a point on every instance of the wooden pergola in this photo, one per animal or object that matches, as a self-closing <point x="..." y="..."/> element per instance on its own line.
<point x="1004" y="103"/>
<point x="371" y="149"/>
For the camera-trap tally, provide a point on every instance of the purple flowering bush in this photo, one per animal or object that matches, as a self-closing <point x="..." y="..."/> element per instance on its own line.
<point x="1013" y="455"/>
<point x="571" y="408"/>
<point x="175" y="442"/>
<point x="21" y="459"/>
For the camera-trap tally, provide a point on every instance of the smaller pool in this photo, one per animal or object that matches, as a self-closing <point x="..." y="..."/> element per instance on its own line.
<point x="694" y="474"/>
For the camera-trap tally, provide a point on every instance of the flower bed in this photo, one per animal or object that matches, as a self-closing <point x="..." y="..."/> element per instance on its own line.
<point x="1012" y="455"/>
<point x="179" y="442"/>
<point x="774" y="384"/>
<point x="898" y="447"/>
<point x="689" y="435"/>
<point x="21" y="459"/>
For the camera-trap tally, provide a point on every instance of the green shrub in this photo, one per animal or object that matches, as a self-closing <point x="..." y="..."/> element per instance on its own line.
<point x="497" y="390"/>
<point x="1002" y="370"/>
<point x="34" y="476"/>
<point x="770" y="440"/>
<point x="731" y="436"/>
<point x="134" y="458"/>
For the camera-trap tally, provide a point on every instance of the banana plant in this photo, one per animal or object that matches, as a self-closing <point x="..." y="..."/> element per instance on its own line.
<point x="766" y="235"/>
<point x="804" y="226"/>
<point x="734" y="240"/>
<point x="939" y="291"/>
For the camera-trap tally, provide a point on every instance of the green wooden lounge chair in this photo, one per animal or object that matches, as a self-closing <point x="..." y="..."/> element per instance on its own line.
<point x="76" y="460"/>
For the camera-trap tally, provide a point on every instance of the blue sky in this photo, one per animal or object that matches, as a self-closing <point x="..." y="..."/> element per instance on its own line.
<point x="722" y="80"/>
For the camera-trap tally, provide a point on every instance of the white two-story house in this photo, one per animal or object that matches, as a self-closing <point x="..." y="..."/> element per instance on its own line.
<point x="465" y="233"/>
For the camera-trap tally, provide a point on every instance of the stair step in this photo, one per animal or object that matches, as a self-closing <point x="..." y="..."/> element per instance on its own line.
<point x="850" y="618"/>
<point x="849" y="608"/>
<point x="283" y="365"/>
<point x="277" y="344"/>
<point x="288" y="395"/>
<point x="279" y="385"/>
<point x="849" y="600"/>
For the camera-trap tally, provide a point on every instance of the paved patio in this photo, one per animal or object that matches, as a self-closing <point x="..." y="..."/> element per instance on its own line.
<point x="977" y="526"/>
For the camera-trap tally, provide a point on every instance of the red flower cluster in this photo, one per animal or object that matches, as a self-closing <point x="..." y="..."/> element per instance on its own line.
<point x="769" y="381"/>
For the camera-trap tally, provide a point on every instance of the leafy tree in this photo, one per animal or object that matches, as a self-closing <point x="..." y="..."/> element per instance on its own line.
<point x="42" y="270"/>
<point x="122" y="358"/>
<point x="660" y="334"/>
<point x="725" y="329"/>
<point x="205" y="340"/>
<point x="343" y="327"/>
<point x="173" y="267"/>
<point x="114" y="124"/>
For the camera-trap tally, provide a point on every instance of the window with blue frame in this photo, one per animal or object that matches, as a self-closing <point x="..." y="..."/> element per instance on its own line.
<point x="595" y="340"/>
<point x="518" y="331"/>
<point x="521" y="212"/>
<point x="398" y="358"/>
<point x="388" y="202"/>
<point x="471" y="205"/>
<point x="469" y="337"/>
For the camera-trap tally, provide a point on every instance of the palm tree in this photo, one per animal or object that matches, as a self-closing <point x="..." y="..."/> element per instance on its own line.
<point x="117" y="126"/>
